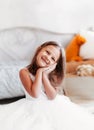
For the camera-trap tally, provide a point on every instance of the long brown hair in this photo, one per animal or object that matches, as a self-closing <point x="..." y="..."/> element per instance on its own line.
<point x="57" y="75"/>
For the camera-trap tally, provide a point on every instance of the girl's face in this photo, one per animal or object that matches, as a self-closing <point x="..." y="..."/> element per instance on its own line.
<point x="48" y="56"/>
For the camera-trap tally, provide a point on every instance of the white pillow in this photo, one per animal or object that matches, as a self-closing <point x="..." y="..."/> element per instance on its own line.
<point x="10" y="84"/>
<point x="87" y="50"/>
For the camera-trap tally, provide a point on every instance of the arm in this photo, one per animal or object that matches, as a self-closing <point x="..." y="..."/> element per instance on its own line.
<point x="33" y="88"/>
<point x="50" y="90"/>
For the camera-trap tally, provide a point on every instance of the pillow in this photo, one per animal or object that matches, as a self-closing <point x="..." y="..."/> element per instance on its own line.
<point x="10" y="84"/>
<point x="72" y="49"/>
<point x="87" y="50"/>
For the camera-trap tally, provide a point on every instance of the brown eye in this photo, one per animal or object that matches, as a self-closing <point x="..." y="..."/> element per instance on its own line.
<point x="48" y="52"/>
<point x="53" y="58"/>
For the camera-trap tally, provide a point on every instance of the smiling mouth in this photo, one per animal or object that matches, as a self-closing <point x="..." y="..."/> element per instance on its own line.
<point x="45" y="59"/>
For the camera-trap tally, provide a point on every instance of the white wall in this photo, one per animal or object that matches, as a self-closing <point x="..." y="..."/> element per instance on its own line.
<point x="55" y="15"/>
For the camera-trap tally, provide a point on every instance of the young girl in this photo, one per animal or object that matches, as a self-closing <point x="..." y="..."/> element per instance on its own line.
<point x="43" y="108"/>
<point x="47" y="67"/>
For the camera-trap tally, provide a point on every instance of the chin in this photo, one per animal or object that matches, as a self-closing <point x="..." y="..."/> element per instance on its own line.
<point x="43" y="66"/>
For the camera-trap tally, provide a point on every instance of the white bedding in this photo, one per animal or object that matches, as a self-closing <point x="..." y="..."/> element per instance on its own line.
<point x="30" y="113"/>
<point x="43" y="114"/>
<point x="10" y="84"/>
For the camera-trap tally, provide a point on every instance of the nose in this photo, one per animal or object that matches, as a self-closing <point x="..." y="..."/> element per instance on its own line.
<point x="47" y="59"/>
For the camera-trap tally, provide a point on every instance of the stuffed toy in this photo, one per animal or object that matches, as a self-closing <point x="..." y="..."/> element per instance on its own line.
<point x="85" y="70"/>
<point x="72" y="50"/>
<point x="80" y="68"/>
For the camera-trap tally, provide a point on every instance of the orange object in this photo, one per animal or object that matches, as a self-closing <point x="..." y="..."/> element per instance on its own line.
<point x="72" y="50"/>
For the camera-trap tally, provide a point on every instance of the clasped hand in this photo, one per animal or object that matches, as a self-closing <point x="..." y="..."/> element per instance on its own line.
<point x="49" y="69"/>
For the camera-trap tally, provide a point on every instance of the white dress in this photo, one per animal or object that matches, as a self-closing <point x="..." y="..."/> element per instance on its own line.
<point x="43" y="114"/>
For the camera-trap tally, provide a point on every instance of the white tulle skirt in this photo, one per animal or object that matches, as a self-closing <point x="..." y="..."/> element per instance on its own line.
<point x="57" y="114"/>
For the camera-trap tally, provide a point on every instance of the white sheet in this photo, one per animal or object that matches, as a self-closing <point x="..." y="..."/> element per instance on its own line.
<point x="43" y="114"/>
<point x="10" y="84"/>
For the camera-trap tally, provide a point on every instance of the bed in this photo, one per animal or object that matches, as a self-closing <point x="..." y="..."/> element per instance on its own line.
<point x="17" y="46"/>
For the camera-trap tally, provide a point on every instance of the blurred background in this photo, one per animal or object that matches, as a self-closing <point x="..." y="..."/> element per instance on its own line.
<point x="66" y="16"/>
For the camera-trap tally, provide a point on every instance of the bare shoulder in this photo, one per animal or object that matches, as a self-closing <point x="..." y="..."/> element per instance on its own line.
<point x="24" y="74"/>
<point x="25" y="77"/>
<point x="23" y="71"/>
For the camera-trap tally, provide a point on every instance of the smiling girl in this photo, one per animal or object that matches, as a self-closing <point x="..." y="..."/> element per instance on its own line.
<point x="47" y="67"/>
<point x="41" y="81"/>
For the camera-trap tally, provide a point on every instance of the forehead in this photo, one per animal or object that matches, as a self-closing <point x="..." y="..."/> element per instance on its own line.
<point x="54" y="50"/>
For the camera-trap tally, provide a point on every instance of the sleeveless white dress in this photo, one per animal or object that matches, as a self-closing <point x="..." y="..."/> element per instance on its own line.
<point x="43" y="114"/>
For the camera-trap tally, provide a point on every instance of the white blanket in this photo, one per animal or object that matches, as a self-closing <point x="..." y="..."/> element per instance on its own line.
<point x="10" y="84"/>
<point x="43" y="114"/>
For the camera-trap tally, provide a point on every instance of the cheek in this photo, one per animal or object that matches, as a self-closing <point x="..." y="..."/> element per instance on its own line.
<point x="37" y="59"/>
<point x="40" y="54"/>
<point x="51" y="63"/>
